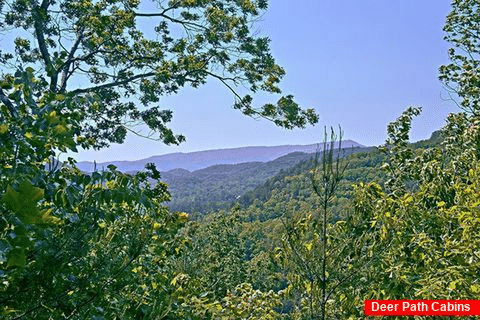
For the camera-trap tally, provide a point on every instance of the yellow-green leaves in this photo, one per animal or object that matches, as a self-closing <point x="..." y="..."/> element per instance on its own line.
<point x="60" y="129"/>
<point x="48" y="218"/>
<point x="179" y="279"/>
<point x="52" y="117"/>
<point x="183" y="217"/>
<point x="60" y="97"/>
<point x="23" y="202"/>
<point x="308" y="245"/>
<point x="3" y="128"/>
<point x="460" y="75"/>
<point x="408" y="199"/>
<point x="452" y="285"/>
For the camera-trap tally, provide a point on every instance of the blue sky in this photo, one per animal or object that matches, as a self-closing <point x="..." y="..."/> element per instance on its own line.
<point x="358" y="63"/>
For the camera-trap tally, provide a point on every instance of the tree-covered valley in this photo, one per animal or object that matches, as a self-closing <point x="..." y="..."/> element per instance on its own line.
<point x="305" y="236"/>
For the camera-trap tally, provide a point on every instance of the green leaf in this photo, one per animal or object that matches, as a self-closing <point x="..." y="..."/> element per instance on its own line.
<point x="308" y="286"/>
<point x="308" y="246"/>
<point x="408" y="199"/>
<point x="47" y="217"/>
<point x="16" y="257"/>
<point x="59" y="97"/>
<point x="3" y="128"/>
<point x="452" y="285"/>
<point x="24" y="202"/>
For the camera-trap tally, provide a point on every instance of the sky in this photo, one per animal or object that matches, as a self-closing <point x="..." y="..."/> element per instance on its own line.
<point x="359" y="64"/>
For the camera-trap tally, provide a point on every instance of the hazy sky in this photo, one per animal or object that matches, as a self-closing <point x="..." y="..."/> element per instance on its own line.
<point x="358" y="63"/>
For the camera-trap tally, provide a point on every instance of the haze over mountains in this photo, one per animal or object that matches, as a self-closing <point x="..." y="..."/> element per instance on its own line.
<point x="202" y="159"/>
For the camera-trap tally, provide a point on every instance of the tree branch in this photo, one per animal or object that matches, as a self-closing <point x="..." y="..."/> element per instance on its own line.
<point x="163" y="15"/>
<point x="66" y="66"/>
<point x="11" y="108"/>
<point x="125" y="81"/>
<point x="115" y="83"/>
<point x="42" y="45"/>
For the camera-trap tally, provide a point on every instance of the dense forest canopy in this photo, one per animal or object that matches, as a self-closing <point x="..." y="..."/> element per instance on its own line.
<point x="315" y="241"/>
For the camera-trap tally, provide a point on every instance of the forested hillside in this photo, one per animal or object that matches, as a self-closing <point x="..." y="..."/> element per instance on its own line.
<point x="363" y="165"/>
<point x="218" y="187"/>
<point x="221" y="186"/>
<point x="316" y="240"/>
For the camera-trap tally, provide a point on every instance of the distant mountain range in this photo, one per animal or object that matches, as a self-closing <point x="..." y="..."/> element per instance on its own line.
<point x="202" y="159"/>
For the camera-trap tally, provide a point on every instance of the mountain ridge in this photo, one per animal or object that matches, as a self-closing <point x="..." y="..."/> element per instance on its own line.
<point x="197" y="160"/>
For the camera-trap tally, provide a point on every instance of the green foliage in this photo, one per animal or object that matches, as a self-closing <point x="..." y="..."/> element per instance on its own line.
<point x="69" y="241"/>
<point x="399" y="162"/>
<point x="252" y="247"/>
<point x="242" y="303"/>
<point x="82" y="74"/>
<point x="314" y="241"/>
<point x="294" y="181"/>
<point x="409" y="235"/>
<point x="218" y="187"/>
<point x="23" y="203"/>
<point x="217" y="261"/>
<point x="427" y="235"/>
<point x="111" y="225"/>
<point x="461" y="75"/>
<point x="317" y="253"/>
<point x="94" y="51"/>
